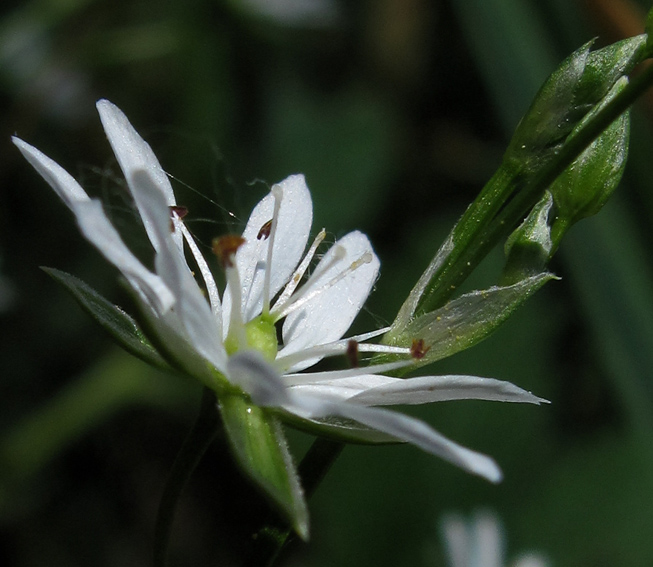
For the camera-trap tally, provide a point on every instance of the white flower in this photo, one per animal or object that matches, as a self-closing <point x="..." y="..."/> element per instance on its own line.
<point x="480" y="543"/>
<point x="230" y="342"/>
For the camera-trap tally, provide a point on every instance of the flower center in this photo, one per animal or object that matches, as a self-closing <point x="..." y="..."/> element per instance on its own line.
<point x="260" y="335"/>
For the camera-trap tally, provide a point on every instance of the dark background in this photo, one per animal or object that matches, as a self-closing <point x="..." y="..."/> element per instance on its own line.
<point x="397" y="112"/>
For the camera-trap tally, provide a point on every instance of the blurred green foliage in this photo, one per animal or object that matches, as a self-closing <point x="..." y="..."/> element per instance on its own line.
<point x="397" y="111"/>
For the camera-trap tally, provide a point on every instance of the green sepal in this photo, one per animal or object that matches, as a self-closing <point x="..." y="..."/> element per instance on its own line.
<point x="585" y="186"/>
<point x="259" y="445"/>
<point x="111" y="318"/>
<point x="649" y="33"/>
<point x="465" y="321"/>
<point x="528" y="248"/>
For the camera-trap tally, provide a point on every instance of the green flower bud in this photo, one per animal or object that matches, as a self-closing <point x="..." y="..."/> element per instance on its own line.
<point x="585" y="186"/>
<point x="572" y="90"/>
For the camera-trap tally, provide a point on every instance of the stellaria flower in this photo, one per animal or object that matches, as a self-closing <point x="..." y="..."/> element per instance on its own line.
<point x="229" y="342"/>
<point x="480" y="542"/>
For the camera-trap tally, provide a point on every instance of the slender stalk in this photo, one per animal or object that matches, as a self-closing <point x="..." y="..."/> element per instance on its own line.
<point x="275" y="536"/>
<point x="195" y="445"/>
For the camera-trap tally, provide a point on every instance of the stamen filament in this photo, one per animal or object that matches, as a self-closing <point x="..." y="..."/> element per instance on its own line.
<point x="207" y="276"/>
<point x="302" y="298"/>
<point x="333" y="349"/>
<point x="277" y="192"/>
<point x="317" y="377"/>
<point x="292" y="284"/>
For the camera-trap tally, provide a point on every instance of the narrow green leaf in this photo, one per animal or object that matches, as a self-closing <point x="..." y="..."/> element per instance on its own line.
<point x="465" y="321"/>
<point x="257" y="440"/>
<point x="111" y="318"/>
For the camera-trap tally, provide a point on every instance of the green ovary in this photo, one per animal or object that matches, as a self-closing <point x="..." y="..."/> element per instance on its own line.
<point x="261" y="335"/>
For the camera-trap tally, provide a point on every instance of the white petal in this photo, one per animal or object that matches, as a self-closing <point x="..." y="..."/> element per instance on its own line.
<point x="427" y="389"/>
<point x="530" y="560"/>
<point x="488" y="540"/>
<point x="403" y="428"/>
<point x="343" y="388"/>
<point x="254" y="375"/>
<point x="328" y="315"/>
<point x="97" y="228"/>
<point x="192" y="309"/>
<point x="57" y="177"/>
<point x="329" y="375"/>
<point x="134" y="154"/>
<point x="293" y="228"/>
<point x="456" y="538"/>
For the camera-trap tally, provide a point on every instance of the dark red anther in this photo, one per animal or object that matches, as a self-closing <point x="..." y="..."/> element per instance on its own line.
<point x="352" y="353"/>
<point x="225" y="248"/>
<point x="264" y="233"/>
<point x="178" y="210"/>
<point x="418" y="349"/>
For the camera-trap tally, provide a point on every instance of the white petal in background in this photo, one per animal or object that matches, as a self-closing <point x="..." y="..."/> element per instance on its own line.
<point x="293" y="227"/>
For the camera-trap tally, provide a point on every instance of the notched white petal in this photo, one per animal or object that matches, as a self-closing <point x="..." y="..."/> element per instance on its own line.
<point x="295" y="216"/>
<point x="427" y="389"/>
<point x="402" y="428"/>
<point x="329" y="313"/>
<point x="255" y="376"/>
<point x="97" y="229"/>
<point x="343" y="388"/>
<point x="192" y="309"/>
<point x="57" y="177"/>
<point x="134" y="154"/>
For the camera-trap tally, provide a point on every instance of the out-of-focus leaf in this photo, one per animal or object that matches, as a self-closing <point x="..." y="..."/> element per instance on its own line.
<point x="111" y="318"/>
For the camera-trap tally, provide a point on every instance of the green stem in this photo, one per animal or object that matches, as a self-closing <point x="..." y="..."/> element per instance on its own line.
<point x="195" y="445"/>
<point x="487" y="220"/>
<point x="276" y="535"/>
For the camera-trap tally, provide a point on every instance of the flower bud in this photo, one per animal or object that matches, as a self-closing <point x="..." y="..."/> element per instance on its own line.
<point x="570" y="92"/>
<point x="585" y="186"/>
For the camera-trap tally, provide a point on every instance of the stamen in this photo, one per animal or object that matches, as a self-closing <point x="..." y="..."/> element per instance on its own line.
<point x="317" y="377"/>
<point x="264" y="232"/>
<point x="292" y="284"/>
<point x="207" y="276"/>
<point x="302" y="298"/>
<point x="418" y="349"/>
<point x="225" y="248"/>
<point x="337" y="348"/>
<point x="277" y="192"/>
<point x="178" y="210"/>
<point x="352" y="353"/>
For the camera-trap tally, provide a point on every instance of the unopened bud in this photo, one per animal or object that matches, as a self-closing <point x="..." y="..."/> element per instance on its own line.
<point x="585" y="186"/>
